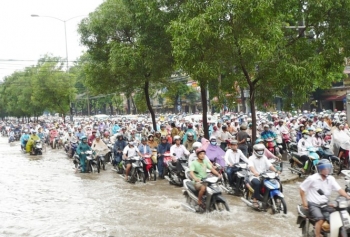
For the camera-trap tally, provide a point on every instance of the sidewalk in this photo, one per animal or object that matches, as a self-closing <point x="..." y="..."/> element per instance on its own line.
<point x="286" y="176"/>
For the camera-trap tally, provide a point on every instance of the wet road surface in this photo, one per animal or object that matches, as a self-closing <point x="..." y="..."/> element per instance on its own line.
<point x="43" y="196"/>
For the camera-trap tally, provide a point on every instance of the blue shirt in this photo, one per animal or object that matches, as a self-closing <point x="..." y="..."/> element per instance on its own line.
<point x="267" y="134"/>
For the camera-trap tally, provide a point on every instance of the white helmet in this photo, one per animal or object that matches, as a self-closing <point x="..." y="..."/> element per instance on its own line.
<point x="195" y="146"/>
<point x="258" y="150"/>
<point x="177" y="138"/>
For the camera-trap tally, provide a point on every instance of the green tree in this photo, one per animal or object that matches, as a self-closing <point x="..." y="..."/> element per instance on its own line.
<point x="255" y="43"/>
<point x="128" y="46"/>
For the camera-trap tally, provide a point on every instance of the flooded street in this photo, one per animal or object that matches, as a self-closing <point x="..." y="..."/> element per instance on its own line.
<point x="43" y="196"/>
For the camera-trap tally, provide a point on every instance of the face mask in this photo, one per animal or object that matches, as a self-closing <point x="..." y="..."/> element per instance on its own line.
<point x="213" y="143"/>
<point x="306" y="136"/>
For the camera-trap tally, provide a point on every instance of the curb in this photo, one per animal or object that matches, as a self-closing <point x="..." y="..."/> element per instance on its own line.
<point x="290" y="180"/>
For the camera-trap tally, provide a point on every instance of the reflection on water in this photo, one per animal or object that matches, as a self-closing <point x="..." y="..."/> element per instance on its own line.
<point x="43" y="196"/>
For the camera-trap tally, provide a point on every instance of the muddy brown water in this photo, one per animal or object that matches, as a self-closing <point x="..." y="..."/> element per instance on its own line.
<point x="43" y="196"/>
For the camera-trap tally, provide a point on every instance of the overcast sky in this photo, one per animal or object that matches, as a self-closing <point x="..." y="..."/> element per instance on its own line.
<point x="24" y="39"/>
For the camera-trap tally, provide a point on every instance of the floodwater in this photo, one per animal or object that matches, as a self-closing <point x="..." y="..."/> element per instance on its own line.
<point x="43" y="196"/>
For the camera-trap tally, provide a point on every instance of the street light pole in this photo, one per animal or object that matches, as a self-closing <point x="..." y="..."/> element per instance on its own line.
<point x="66" y="44"/>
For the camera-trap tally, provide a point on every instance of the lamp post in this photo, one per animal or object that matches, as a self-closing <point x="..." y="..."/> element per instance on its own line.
<point x="65" y="40"/>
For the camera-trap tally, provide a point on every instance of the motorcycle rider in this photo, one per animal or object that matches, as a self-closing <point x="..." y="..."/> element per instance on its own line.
<point x="258" y="163"/>
<point x="198" y="171"/>
<point x="189" y="130"/>
<point x="163" y="147"/>
<point x="115" y="128"/>
<point x="313" y="200"/>
<point x="24" y="139"/>
<point x="233" y="156"/>
<point x="151" y="143"/>
<point x="317" y="140"/>
<point x="129" y="151"/>
<point x="11" y="135"/>
<point x="118" y="148"/>
<point x="193" y="155"/>
<point x="303" y="144"/>
<point x="33" y="137"/>
<point x="81" y="149"/>
<point x="189" y="142"/>
<point x="79" y="133"/>
<point x="144" y="148"/>
<point x="99" y="147"/>
<point x="224" y="137"/>
<point x="242" y="136"/>
<point x="179" y="151"/>
<point x="92" y="137"/>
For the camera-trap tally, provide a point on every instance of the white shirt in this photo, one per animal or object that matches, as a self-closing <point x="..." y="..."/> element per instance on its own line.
<point x="317" y="142"/>
<point x="178" y="150"/>
<point x="281" y="129"/>
<point x="302" y="145"/>
<point x="194" y="157"/>
<point x="232" y="157"/>
<point x="130" y="151"/>
<point x="314" y="183"/>
<point x="261" y="164"/>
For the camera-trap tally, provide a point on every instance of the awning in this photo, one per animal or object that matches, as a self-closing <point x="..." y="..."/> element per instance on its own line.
<point x="335" y="98"/>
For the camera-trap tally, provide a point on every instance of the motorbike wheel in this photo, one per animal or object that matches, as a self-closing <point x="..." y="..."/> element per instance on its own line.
<point x="307" y="229"/>
<point x="221" y="206"/>
<point x="91" y="168"/>
<point x="336" y="167"/>
<point x="142" y="177"/>
<point x="153" y="174"/>
<point x="280" y="205"/>
<point x="98" y="166"/>
<point x="103" y="165"/>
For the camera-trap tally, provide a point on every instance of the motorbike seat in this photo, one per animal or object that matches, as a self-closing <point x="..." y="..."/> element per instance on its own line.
<point x="190" y="185"/>
<point x="171" y="166"/>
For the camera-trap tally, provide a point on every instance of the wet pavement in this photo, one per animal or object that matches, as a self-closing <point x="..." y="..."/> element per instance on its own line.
<point x="43" y="196"/>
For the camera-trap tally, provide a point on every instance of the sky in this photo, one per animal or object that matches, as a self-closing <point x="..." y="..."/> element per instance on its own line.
<point x="24" y="39"/>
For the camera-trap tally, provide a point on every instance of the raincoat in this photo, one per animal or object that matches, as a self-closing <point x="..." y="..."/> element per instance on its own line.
<point x="83" y="147"/>
<point x="30" y="142"/>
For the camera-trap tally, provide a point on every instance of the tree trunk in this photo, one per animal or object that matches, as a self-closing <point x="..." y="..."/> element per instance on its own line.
<point x="111" y="108"/>
<point x="149" y="106"/>
<point x="244" y="109"/>
<point x="203" y="85"/>
<point x="129" y="105"/>
<point x="134" y="111"/>
<point x="252" y="107"/>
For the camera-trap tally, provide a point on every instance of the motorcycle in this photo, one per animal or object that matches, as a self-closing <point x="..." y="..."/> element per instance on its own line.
<point x="91" y="162"/>
<point x="238" y="177"/>
<point x="326" y="153"/>
<point x="166" y="160"/>
<point x="212" y="200"/>
<point x="136" y="172"/>
<point x="73" y="147"/>
<point x="17" y="135"/>
<point x="150" y="168"/>
<point x="174" y="176"/>
<point x="310" y="166"/>
<point x="37" y="148"/>
<point x="270" y="193"/>
<point x="338" y="220"/>
<point x="110" y="154"/>
<point x="270" y="145"/>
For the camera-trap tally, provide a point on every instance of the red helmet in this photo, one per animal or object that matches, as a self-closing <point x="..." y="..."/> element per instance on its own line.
<point x="199" y="150"/>
<point x="106" y="133"/>
<point x="190" y="125"/>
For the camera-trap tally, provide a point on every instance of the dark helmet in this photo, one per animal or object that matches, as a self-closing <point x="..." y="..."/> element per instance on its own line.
<point x="324" y="164"/>
<point x="144" y="139"/>
<point x="190" y="125"/>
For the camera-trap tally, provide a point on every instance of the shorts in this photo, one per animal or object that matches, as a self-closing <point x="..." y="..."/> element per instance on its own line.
<point x="198" y="185"/>
<point x="317" y="213"/>
<point x="126" y="162"/>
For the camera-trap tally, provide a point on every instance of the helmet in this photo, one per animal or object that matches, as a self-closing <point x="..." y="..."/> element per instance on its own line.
<point x="199" y="150"/>
<point x="83" y="138"/>
<point x="144" y="139"/>
<point x="258" y="150"/>
<point x="189" y="134"/>
<point x="318" y="130"/>
<point x="257" y="141"/>
<point x="212" y="138"/>
<point x="149" y="136"/>
<point x="97" y="136"/>
<point x="163" y="138"/>
<point x="243" y="127"/>
<point x="266" y="126"/>
<point x="324" y="164"/>
<point x="224" y="127"/>
<point x="25" y="130"/>
<point x="233" y="142"/>
<point x="305" y="132"/>
<point x="157" y="132"/>
<point x="311" y="129"/>
<point x="162" y="126"/>
<point x="177" y="138"/>
<point x="131" y="143"/>
<point x="196" y="145"/>
<point x="106" y="133"/>
<point x="190" y="125"/>
<point x="33" y="131"/>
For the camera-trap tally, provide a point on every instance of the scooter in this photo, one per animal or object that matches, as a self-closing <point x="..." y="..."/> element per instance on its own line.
<point x="238" y="179"/>
<point x="270" y="194"/>
<point x="310" y="166"/>
<point x="326" y="153"/>
<point x="150" y="168"/>
<point x="175" y="176"/>
<point x="37" y="148"/>
<point x="338" y="220"/>
<point x="136" y="172"/>
<point x="212" y="200"/>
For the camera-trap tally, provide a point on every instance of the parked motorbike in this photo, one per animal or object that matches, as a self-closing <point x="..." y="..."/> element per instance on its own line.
<point x="270" y="193"/>
<point x="326" y="153"/>
<point x="338" y="220"/>
<point x="212" y="200"/>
